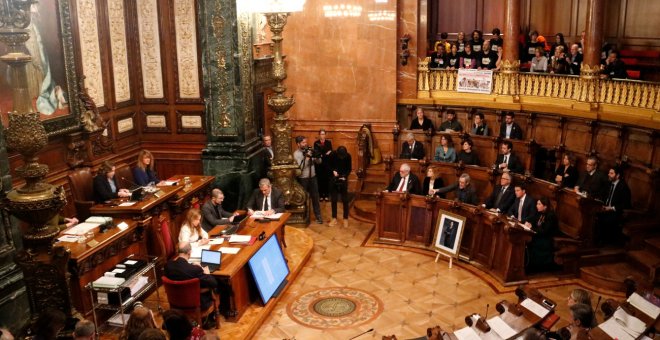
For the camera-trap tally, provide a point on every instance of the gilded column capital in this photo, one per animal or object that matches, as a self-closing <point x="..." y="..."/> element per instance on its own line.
<point x="510" y="66"/>
<point x="589" y="72"/>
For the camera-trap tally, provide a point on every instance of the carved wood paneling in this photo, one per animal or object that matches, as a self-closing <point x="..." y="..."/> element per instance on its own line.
<point x="150" y="57"/>
<point x="90" y="52"/>
<point x="188" y="84"/>
<point x="118" y="50"/>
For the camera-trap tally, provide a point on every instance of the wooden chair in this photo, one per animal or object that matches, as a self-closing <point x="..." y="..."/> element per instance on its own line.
<point x="184" y="296"/>
<point x="82" y="190"/>
<point x="124" y="176"/>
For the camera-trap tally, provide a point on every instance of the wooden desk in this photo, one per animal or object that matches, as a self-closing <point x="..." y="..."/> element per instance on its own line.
<point x="188" y="196"/>
<point x="87" y="264"/>
<point x="234" y="269"/>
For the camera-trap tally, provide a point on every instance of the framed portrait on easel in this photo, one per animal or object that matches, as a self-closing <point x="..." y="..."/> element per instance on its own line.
<point x="448" y="235"/>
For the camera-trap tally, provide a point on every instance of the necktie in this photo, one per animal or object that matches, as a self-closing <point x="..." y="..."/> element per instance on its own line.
<point x="506" y="159"/>
<point x="520" y="209"/>
<point x="499" y="197"/>
<point x="609" y="196"/>
<point x="401" y="184"/>
<point x="265" y="205"/>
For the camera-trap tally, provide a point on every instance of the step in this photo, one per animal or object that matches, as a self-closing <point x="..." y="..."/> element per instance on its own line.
<point x="611" y="275"/>
<point x="646" y="260"/>
<point x="603" y="256"/>
<point x="653" y="244"/>
<point x="365" y="210"/>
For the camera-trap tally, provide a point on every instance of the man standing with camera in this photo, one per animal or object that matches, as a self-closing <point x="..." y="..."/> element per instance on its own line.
<point x="305" y="158"/>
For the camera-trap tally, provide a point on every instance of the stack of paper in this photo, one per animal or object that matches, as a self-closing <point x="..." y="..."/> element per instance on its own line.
<point x="501" y="328"/>
<point x="116" y="319"/>
<point x="466" y="333"/>
<point x="138" y="284"/>
<point x="99" y="219"/>
<point x="197" y="251"/>
<point x="535" y="308"/>
<point x="81" y="228"/>
<point x="240" y="239"/>
<point x="229" y="250"/>
<point x="644" y="305"/>
<point x="108" y="282"/>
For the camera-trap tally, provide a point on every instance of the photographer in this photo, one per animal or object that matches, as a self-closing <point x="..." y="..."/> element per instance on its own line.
<point x="306" y="158"/>
<point x="341" y="167"/>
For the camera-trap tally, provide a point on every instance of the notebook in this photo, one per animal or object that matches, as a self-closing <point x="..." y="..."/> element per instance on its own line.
<point x="211" y="259"/>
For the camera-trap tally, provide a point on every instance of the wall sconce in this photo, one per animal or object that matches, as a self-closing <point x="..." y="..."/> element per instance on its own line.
<point x="405" y="53"/>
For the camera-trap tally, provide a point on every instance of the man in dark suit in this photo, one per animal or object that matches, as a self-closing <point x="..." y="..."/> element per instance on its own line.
<point x="451" y="124"/>
<point x="509" y="128"/>
<point x="266" y="199"/>
<point x="404" y="181"/>
<point x="448" y="233"/>
<point x="178" y="269"/>
<point x="524" y="207"/>
<point x="502" y="196"/>
<point x="463" y="191"/>
<point x="617" y="200"/>
<point x="412" y="149"/>
<point x="593" y="181"/>
<point x="507" y="160"/>
<point x="268" y="154"/>
<point x="212" y="212"/>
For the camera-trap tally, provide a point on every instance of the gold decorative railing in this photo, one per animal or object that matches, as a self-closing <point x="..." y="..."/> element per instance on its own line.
<point x="630" y="93"/>
<point x="549" y="85"/>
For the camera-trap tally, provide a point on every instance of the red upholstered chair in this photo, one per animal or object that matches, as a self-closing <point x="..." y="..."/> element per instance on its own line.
<point x="166" y="236"/>
<point x="82" y="190"/>
<point x="184" y="296"/>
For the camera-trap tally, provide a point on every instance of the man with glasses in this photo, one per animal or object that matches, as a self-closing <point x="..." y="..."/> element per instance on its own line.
<point x="404" y="181"/>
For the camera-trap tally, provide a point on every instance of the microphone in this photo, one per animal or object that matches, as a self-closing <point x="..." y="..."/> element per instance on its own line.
<point x="361" y="334"/>
<point x="132" y="184"/>
<point x="487" y="305"/>
<point x="597" y="303"/>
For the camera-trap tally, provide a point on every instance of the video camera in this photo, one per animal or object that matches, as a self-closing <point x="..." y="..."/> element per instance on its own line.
<point x="309" y="151"/>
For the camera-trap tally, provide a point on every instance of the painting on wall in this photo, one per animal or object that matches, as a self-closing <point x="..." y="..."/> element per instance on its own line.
<point x="51" y="77"/>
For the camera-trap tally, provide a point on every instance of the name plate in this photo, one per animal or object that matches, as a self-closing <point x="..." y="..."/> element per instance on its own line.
<point x="92" y="243"/>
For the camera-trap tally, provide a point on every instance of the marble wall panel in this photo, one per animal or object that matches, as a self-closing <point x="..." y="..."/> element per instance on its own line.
<point x="186" y="49"/>
<point x="408" y="20"/>
<point x="90" y="52"/>
<point x="149" y="34"/>
<point x="117" y="21"/>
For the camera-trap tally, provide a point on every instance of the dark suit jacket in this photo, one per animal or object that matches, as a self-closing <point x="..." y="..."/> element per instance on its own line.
<point x="413" y="184"/>
<point x="506" y="200"/>
<point x="467" y="195"/>
<point x="437" y="184"/>
<point x="528" y="211"/>
<point x="276" y="200"/>
<point x="268" y="160"/>
<point x="516" y="131"/>
<point x="426" y="125"/>
<point x="596" y="185"/>
<point x="417" y="153"/>
<point x="621" y="197"/>
<point x="514" y="163"/>
<point x="569" y="176"/>
<point x="179" y="270"/>
<point x="102" y="190"/>
<point x="209" y="217"/>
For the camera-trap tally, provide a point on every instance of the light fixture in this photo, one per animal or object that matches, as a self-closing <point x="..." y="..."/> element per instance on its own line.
<point x="342" y="11"/>
<point x="271" y="6"/>
<point x="381" y="15"/>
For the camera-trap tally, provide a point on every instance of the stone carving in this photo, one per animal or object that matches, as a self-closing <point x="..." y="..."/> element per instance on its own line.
<point x="89" y="49"/>
<point x="118" y="50"/>
<point x="186" y="49"/>
<point x="245" y="65"/>
<point x="152" y="74"/>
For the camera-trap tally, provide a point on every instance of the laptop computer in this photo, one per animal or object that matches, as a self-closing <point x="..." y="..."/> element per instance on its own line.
<point x="211" y="259"/>
<point x="239" y="218"/>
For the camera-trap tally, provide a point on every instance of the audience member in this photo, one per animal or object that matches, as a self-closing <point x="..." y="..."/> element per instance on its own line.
<point x="502" y="196"/>
<point x="341" y="166"/>
<point x="468" y="58"/>
<point x="141" y="319"/>
<point x="179" y="327"/>
<point x="460" y="42"/>
<point x="582" y="317"/>
<point x="535" y="40"/>
<point x="212" y="212"/>
<point x="49" y="323"/>
<point x="152" y="334"/>
<point x="84" y="330"/>
<point x="559" y="41"/>
<point x="479" y="127"/>
<point x="540" y="250"/>
<point x="610" y="219"/>
<point x="522" y="208"/>
<point x="105" y="185"/>
<point x="445" y="151"/>
<point x="539" y="61"/>
<point x="498" y="63"/>
<point x="566" y="175"/>
<point x="451" y="124"/>
<point x="442" y="42"/>
<point x="507" y="160"/>
<point x="453" y="58"/>
<point x="432" y="182"/>
<point x="266" y="199"/>
<point x="593" y="182"/>
<point x="605" y="51"/>
<point x="467" y="156"/>
<point x="5" y="334"/>
<point x="496" y="41"/>
<point x="404" y="181"/>
<point x="411" y="149"/>
<point x="574" y="60"/>
<point x="509" y="128"/>
<point x="558" y="63"/>
<point x="487" y="58"/>
<point x="477" y="41"/>
<point x="464" y="191"/>
<point x="323" y="147"/>
<point x="191" y="229"/>
<point x="144" y="172"/>
<point x="305" y="159"/>
<point x="581" y="296"/>
<point x="268" y="154"/>
<point x="420" y="122"/>
<point x="438" y="58"/>
<point x="613" y="67"/>
<point x="581" y="42"/>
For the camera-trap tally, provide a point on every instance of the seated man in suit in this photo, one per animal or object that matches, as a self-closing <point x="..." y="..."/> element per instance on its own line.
<point x="507" y="160"/>
<point x="266" y="199"/>
<point x="179" y="269"/>
<point x="451" y="124"/>
<point x="212" y="212"/>
<point x="593" y="182"/>
<point x="411" y="149"/>
<point x="509" y="128"/>
<point x="404" y="181"/>
<point x="524" y="206"/>
<point x="610" y="218"/>
<point x="502" y="196"/>
<point x="105" y="185"/>
<point x="464" y="191"/>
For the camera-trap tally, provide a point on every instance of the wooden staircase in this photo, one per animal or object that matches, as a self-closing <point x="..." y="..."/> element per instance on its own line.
<point x="374" y="181"/>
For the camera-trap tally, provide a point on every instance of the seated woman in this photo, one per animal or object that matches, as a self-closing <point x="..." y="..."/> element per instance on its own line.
<point x="432" y="182"/>
<point x="143" y="172"/>
<point x="566" y="175"/>
<point x="421" y="122"/>
<point x="141" y="318"/>
<point x="539" y="62"/>
<point x="105" y="185"/>
<point x="540" y="250"/>
<point x="445" y="151"/>
<point x="191" y="230"/>
<point x="468" y="58"/>
<point x="467" y="156"/>
<point x="453" y="57"/>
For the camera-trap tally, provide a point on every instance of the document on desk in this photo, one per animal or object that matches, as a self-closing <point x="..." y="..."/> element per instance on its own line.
<point x="229" y="250"/>
<point x="68" y="238"/>
<point x="612" y="328"/>
<point x="197" y="250"/>
<point x="644" y="305"/>
<point x="629" y="323"/>
<point x="127" y="204"/>
<point x="81" y="228"/>
<point x="501" y="328"/>
<point x="466" y="333"/>
<point x="245" y="239"/>
<point x="535" y="308"/>
<point x="217" y="240"/>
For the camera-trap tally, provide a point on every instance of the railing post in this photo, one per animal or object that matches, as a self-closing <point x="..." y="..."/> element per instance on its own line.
<point x="423" y="90"/>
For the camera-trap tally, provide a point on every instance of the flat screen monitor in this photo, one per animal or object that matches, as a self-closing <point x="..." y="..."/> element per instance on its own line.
<point x="269" y="269"/>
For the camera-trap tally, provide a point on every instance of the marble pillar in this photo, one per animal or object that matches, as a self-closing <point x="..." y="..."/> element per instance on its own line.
<point x="590" y="69"/>
<point x="510" y="58"/>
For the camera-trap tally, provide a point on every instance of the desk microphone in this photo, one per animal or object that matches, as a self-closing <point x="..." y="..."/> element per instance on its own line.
<point x="131" y="183"/>
<point x="361" y="334"/>
<point x="487" y="306"/>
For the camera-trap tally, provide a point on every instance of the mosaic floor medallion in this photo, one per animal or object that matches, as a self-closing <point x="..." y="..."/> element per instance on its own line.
<point x="337" y="307"/>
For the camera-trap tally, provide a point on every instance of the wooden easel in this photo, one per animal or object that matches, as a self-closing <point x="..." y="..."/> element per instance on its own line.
<point x="451" y="258"/>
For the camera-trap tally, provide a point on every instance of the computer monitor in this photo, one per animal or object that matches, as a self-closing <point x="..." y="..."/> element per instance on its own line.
<point x="269" y="269"/>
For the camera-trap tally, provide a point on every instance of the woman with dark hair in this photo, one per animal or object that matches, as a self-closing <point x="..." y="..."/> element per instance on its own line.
<point x="341" y="167"/>
<point x="566" y="175"/>
<point x="178" y="326"/>
<point x="559" y="41"/>
<point x="453" y="57"/>
<point x="141" y="318"/>
<point x="143" y="172"/>
<point x="468" y="58"/>
<point x="445" y="151"/>
<point x="540" y="250"/>
<point x="477" y="41"/>
<point x="105" y="186"/>
<point x="323" y="147"/>
<point x="467" y="156"/>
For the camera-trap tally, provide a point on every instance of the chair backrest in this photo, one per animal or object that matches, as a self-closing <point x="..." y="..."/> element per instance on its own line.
<point x="182" y="295"/>
<point x="124" y="176"/>
<point x="81" y="184"/>
<point x="166" y="236"/>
